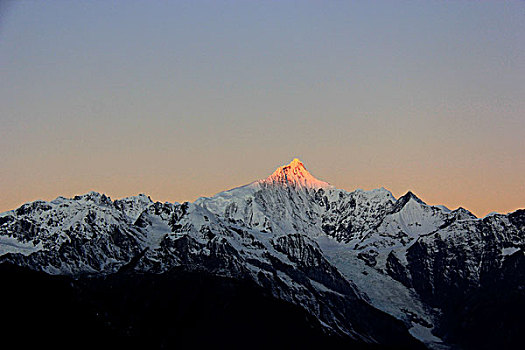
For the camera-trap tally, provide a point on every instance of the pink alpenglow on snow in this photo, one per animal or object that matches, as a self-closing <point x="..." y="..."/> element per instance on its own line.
<point x="295" y="175"/>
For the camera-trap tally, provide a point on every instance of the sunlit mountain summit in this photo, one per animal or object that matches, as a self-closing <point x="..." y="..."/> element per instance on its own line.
<point x="294" y="174"/>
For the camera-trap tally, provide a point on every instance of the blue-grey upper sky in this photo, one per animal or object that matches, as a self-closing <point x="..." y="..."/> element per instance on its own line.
<point x="186" y="98"/>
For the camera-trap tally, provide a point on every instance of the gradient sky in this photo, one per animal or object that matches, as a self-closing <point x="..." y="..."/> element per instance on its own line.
<point x="183" y="99"/>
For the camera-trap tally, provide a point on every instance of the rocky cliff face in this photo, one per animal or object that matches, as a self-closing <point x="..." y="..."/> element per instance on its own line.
<point x="367" y="266"/>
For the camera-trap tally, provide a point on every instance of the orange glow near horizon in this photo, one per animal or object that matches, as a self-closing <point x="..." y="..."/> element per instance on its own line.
<point x="436" y="189"/>
<point x="184" y="99"/>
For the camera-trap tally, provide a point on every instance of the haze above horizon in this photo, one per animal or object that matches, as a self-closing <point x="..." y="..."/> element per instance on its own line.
<point x="186" y="99"/>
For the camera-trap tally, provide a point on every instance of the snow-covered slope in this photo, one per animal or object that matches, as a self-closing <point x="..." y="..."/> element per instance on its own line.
<point x="372" y="237"/>
<point x="348" y="258"/>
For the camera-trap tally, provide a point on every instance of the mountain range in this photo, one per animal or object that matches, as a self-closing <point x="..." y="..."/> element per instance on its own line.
<point x="287" y="260"/>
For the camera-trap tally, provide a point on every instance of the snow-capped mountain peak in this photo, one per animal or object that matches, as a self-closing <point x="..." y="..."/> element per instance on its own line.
<point x="348" y="258"/>
<point x="295" y="175"/>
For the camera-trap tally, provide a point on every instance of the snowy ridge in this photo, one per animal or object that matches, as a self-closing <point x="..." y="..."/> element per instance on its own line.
<point x="300" y="238"/>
